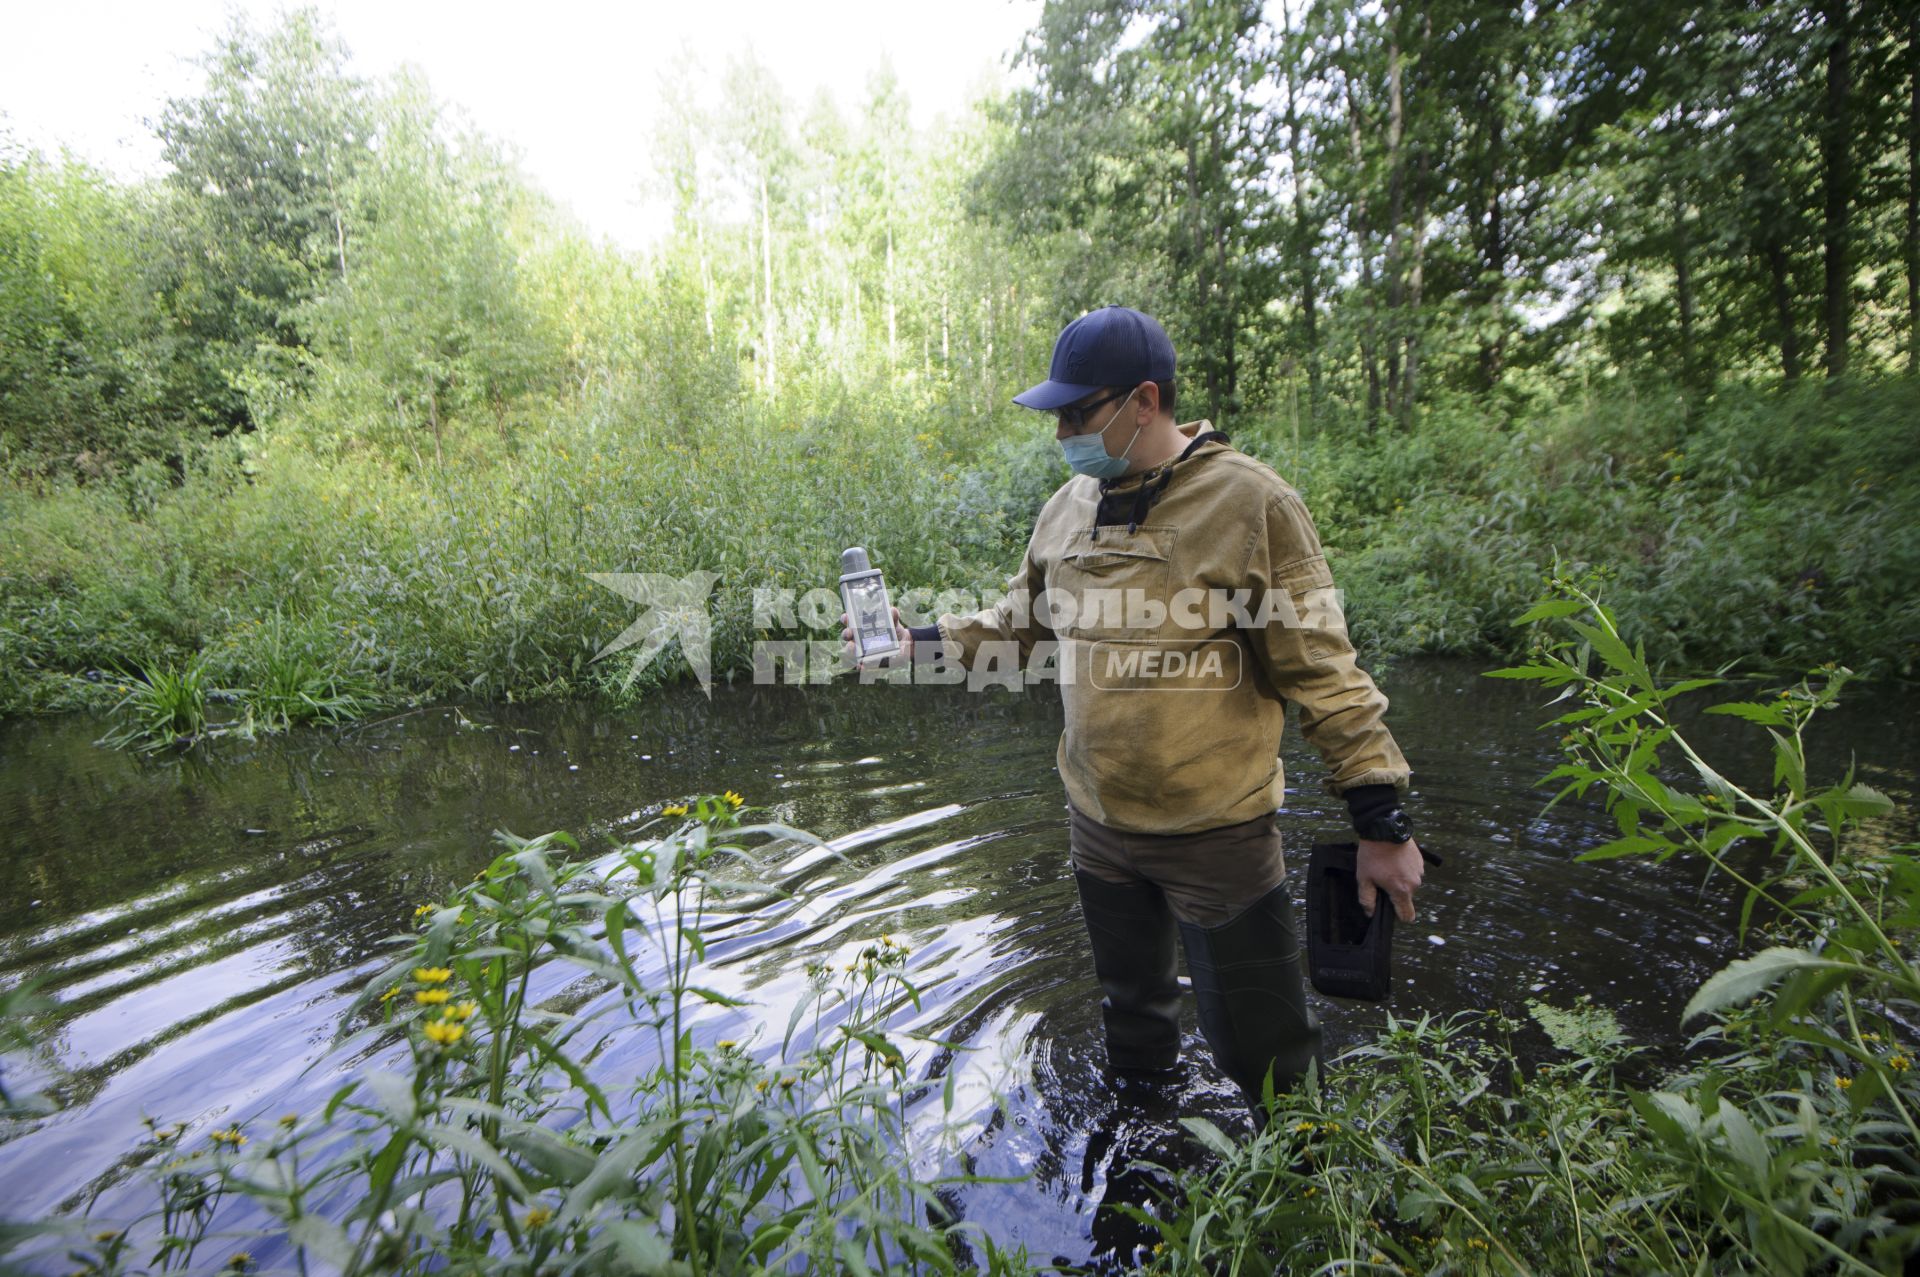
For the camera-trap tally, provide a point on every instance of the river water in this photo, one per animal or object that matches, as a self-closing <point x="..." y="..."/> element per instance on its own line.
<point x="204" y="920"/>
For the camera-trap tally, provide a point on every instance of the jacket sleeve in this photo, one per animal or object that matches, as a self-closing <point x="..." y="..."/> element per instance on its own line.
<point x="1306" y="654"/>
<point x="1013" y="620"/>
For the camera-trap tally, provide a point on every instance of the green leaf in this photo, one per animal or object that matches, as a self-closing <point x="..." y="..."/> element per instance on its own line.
<point x="1210" y="1135"/>
<point x="1789" y="764"/>
<point x="1748" y="1148"/>
<point x="1750" y="711"/>
<point x="1863" y="800"/>
<point x="466" y="1144"/>
<point x="615" y="1165"/>
<point x="714" y="996"/>
<point x="393" y="1094"/>
<point x="1747" y="977"/>
<point x="1549" y="609"/>
<point x="1613" y="650"/>
<point x="1802" y="989"/>
<point x="641" y="1245"/>
<point x="1684" y="686"/>
<point x="1631" y="845"/>
<point x="561" y="1162"/>
<point x="1539" y="672"/>
<point x="1671" y="1118"/>
<point x="877" y="1043"/>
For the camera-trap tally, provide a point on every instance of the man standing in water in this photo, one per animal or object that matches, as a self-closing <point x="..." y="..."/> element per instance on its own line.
<point x="1185" y="587"/>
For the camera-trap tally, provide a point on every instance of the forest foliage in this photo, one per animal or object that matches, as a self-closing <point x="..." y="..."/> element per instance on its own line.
<point x="1631" y="283"/>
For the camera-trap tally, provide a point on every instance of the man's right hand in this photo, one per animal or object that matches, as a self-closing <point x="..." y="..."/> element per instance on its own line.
<point x="900" y="632"/>
<point x="1393" y="867"/>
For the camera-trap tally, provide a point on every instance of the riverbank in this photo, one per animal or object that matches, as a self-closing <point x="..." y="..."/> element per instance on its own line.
<point x="1773" y="530"/>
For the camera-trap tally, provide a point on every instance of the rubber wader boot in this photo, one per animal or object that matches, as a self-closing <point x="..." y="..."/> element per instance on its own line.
<point x="1251" y="999"/>
<point x="1134" y="957"/>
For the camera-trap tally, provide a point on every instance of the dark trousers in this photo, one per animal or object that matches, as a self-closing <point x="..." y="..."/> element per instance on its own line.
<point x="1221" y="893"/>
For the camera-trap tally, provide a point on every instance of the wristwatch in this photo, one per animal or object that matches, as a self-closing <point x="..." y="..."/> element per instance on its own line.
<point x="1392" y="825"/>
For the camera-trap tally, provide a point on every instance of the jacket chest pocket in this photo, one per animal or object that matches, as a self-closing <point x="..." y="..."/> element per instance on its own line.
<point x="1114" y="587"/>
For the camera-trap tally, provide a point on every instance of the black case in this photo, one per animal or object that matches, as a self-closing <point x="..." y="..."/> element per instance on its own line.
<point x="1349" y="955"/>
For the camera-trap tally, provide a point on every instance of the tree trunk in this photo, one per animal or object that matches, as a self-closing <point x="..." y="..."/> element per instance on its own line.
<point x="1304" y="250"/>
<point x="706" y="280"/>
<point x="1837" y="148"/>
<point x="1779" y="276"/>
<point x="766" y="261"/>
<point x="1416" y="283"/>
<point x="1302" y="243"/>
<point x="1913" y="191"/>
<point x="1363" y="236"/>
<point x="1683" y="289"/>
<point x="1229" y="291"/>
<point x="1396" y="227"/>
<point x="1493" y="265"/>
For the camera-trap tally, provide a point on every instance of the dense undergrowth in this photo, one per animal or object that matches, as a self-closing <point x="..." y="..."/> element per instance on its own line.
<point x="290" y="581"/>
<point x="470" y="1134"/>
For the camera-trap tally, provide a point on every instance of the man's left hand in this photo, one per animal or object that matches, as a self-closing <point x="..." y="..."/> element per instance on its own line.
<point x="1393" y="867"/>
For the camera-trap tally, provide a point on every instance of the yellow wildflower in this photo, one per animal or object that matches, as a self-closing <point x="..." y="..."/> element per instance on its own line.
<point x="538" y="1216"/>
<point x="423" y="911"/>
<point x="1899" y="1063"/>
<point x="231" y="1135"/>
<point x="443" y="1032"/>
<point x="1843" y="1082"/>
<point x="1303" y="1126"/>
<point x="433" y="975"/>
<point x="432" y="997"/>
<point x="460" y="1012"/>
<point x="734" y="798"/>
<point x="726" y="1044"/>
<point x="1478" y="1243"/>
<point x="674" y="809"/>
<point x="289" y="1119"/>
<point x="390" y="994"/>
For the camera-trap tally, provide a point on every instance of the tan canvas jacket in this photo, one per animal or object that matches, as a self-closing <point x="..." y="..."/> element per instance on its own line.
<point x="1147" y="748"/>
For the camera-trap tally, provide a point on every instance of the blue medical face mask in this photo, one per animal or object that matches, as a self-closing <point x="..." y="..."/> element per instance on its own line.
<point x="1087" y="454"/>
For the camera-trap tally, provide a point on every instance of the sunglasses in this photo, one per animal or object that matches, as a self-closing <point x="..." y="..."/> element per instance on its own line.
<point x="1075" y="416"/>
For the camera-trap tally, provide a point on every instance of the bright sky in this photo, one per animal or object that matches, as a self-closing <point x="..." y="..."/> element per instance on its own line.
<point x="572" y="85"/>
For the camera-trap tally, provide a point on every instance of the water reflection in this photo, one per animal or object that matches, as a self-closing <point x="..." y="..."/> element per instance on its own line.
<point x="205" y="921"/>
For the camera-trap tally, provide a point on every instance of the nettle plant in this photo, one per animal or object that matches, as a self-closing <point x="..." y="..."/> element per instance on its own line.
<point x="489" y="1147"/>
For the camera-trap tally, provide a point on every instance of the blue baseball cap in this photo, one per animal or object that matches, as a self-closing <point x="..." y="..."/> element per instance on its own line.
<point x="1112" y="346"/>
